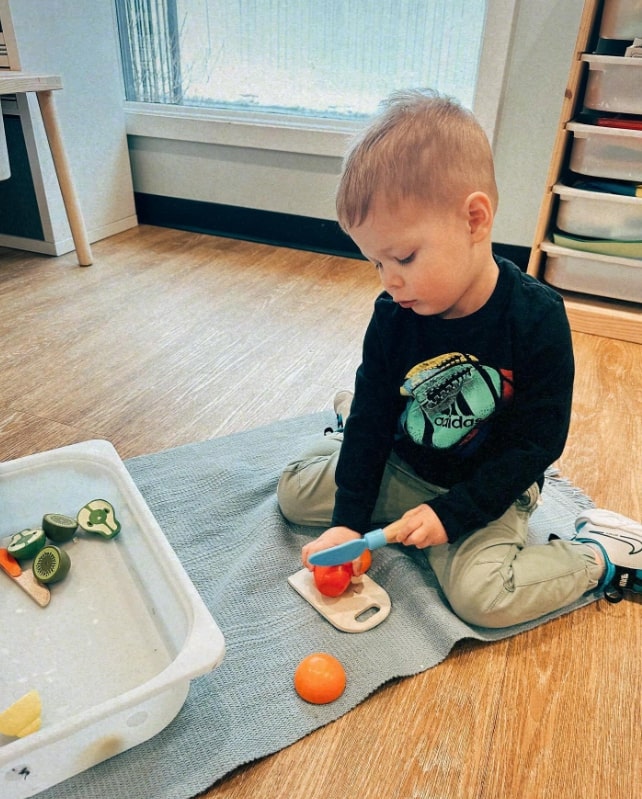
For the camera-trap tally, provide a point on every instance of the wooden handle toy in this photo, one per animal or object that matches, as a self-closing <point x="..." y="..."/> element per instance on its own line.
<point x="25" y="579"/>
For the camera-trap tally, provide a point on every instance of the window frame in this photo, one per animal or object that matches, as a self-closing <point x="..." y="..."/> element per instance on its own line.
<point x="315" y="135"/>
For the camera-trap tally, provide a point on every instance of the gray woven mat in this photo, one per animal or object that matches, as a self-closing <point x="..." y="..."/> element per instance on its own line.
<point x="215" y="502"/>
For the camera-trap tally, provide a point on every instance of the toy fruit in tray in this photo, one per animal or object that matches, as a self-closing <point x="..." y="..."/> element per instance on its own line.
<point x="23" y="717"/>
<point x="98" y="517"/>
<point x="27" y="543"/>
<point x="59" y="528"/>
<point x="51" y="564"/>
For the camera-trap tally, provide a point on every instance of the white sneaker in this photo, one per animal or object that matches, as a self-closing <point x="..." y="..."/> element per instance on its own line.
<point x="620" y="540"/>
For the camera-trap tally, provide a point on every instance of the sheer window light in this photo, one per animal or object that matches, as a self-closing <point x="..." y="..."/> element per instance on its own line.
<point x="331" y="58"/>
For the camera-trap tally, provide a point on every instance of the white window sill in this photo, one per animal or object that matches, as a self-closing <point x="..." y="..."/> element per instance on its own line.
<point x="264" y="131"/>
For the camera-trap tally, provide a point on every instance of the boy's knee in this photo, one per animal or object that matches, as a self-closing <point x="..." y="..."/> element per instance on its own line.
<point x="481" y="600"/>
<point x="287" y="495"/>
<point x="306" y="488"/>
<point x="302" y="500"/>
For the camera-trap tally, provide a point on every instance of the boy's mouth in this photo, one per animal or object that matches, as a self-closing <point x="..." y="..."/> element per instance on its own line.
<point x="406" y="303"/>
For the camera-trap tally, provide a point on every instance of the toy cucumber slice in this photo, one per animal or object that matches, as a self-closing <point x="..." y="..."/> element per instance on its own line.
<point x="59" y="528"/>
<point x="27" y="543"/>
<point x="98" y="517"/>
<point x="51" y="564"/>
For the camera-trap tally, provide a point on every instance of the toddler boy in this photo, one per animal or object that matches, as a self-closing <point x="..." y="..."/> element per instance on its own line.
<point x="463" y="396"/>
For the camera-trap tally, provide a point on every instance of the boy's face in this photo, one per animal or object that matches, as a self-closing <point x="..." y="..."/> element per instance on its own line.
<point x="436" y="263"/>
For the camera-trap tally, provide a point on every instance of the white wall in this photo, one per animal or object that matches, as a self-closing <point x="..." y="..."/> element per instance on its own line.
<point x="77" y="40"/>
<point x="542" y="52"/>
<point x="294" y="182"/>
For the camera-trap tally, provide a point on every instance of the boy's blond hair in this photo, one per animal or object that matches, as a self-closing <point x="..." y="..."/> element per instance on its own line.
<point x="423" y="146"/>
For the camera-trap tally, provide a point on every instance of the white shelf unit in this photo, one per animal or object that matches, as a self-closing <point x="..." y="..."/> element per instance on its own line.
<point x="604" y="316"/>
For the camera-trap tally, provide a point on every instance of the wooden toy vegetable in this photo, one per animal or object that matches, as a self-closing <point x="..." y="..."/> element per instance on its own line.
<point x="334" y="580"/>
<point x="59" y="528"/>
<point x="27" y="543"/>
<point x="98" y="517"/>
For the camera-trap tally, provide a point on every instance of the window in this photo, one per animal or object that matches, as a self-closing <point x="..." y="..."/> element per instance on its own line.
<point x="320" y="58"/>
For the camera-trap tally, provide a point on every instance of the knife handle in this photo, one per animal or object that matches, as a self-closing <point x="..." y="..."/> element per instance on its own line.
<point x="379" y="538"/>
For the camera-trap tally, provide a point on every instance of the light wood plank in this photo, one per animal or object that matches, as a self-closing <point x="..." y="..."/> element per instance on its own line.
<point x="14" y="81"/>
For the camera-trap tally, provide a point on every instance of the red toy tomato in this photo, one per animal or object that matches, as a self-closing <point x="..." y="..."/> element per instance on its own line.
<point x="334" y="580"/>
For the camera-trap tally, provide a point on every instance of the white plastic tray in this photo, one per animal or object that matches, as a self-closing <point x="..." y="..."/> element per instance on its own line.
<point x="606" y="152"/>
<point x="613" y="83"/>
<point x="594" y="274"/>
<point x="599" y="214"/>
<point x="113" y="653"/>
<point x="621" y="19"/>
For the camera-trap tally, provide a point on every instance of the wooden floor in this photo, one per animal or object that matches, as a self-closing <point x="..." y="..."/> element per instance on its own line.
<point x="174" y="337"/>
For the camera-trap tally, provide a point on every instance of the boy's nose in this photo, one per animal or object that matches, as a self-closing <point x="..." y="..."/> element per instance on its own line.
<point x="391" y="278"/>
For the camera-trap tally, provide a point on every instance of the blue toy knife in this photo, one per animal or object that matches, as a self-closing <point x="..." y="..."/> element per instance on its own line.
<point x="344" y="553"/>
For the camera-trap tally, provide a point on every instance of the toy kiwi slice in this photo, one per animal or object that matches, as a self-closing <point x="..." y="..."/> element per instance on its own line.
<point x="51" y="564"/>
<point x="27" y="543"/>
<point x="59" y="528"/>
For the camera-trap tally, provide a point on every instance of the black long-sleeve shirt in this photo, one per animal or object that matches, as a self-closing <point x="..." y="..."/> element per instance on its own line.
<point x="479" y="405"/>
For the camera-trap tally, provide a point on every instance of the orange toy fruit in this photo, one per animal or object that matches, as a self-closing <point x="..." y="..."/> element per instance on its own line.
<point x="319" y="678"/>
<point x="366" y="560"/>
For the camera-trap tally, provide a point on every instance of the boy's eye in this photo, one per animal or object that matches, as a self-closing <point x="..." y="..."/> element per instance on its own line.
<point x="408" y="260"/>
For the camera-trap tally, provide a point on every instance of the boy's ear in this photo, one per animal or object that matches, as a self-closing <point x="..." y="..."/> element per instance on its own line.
<point x="480" y="214"/>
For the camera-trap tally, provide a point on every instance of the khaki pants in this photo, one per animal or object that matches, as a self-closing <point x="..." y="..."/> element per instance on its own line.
<point x="491" y="578"/>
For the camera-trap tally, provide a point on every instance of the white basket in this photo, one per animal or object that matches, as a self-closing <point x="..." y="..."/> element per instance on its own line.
<point x="606" y="152"/>
<point x="599" y="215"/>
<point x="113" y="653"/>
<point x="597" y="275"/>
<point x="621" y="19"/>
<point x="614" y="84"/>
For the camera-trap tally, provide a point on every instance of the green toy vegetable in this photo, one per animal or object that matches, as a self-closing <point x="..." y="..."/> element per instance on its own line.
<point x="98" y="517"/>
<point x="27" y="543"/>
<point x="59" y="528"/>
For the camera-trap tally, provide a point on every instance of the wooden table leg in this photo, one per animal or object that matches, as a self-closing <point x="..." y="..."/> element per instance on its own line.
<point x="67" y="188"/>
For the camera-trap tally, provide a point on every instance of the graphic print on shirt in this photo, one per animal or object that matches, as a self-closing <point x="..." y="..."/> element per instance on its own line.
<point x="450" y="398"/>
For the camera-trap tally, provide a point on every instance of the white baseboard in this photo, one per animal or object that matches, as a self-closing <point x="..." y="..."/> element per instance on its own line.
<point x="63" y="246"/>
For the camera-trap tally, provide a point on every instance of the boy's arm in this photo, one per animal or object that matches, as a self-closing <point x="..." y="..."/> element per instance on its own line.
<point x="533" y="437"/>
<point x="368" y="437"/>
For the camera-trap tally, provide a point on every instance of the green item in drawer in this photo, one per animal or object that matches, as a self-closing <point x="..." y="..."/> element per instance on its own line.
<point x="620" y="249"/>
<point x="610" y="186"/>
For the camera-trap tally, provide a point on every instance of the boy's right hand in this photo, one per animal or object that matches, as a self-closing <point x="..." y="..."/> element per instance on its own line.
<point x="330" y="538"/>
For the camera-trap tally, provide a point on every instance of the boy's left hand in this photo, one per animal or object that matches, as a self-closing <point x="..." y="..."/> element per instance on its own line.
<point x="423" y="528"/>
